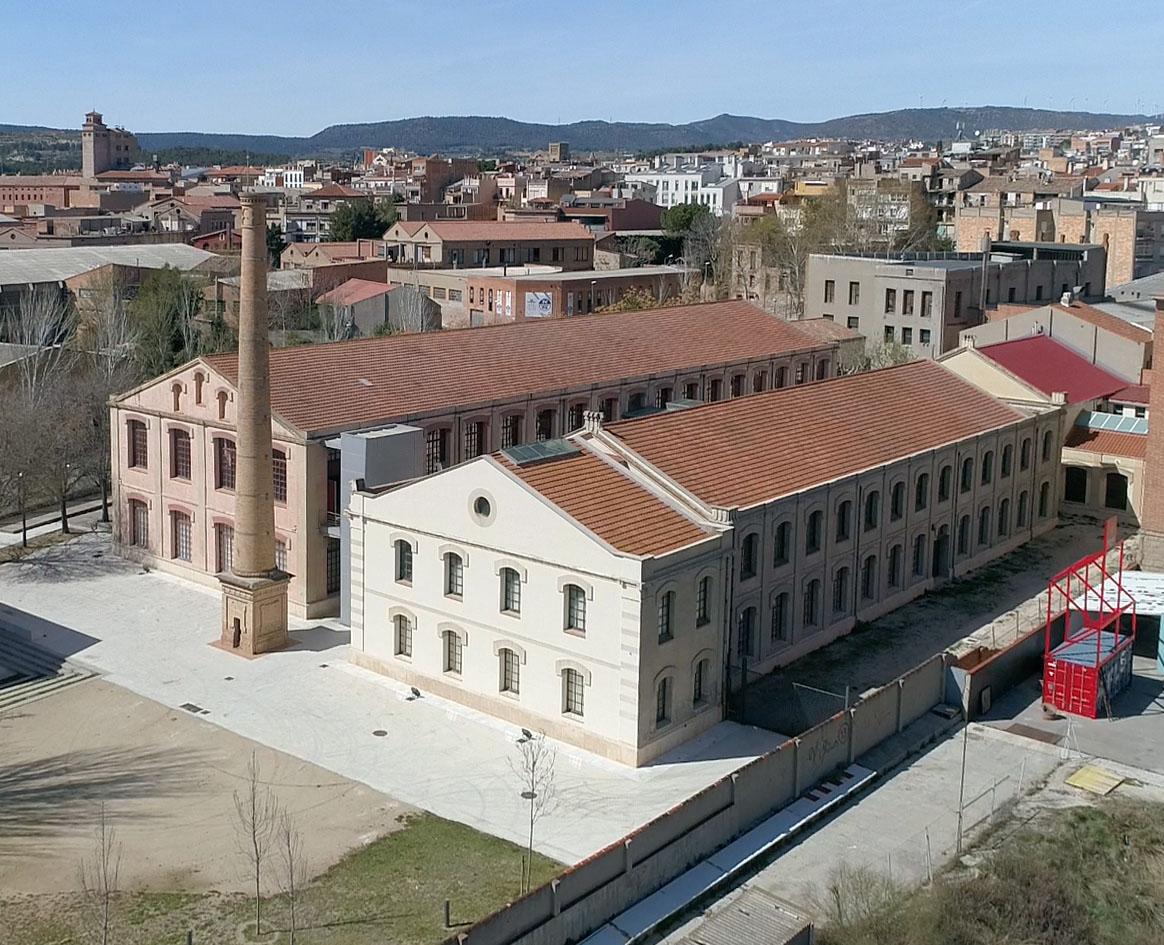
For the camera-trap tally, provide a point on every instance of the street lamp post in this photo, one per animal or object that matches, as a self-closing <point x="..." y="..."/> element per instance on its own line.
<point x="23" y="512"/>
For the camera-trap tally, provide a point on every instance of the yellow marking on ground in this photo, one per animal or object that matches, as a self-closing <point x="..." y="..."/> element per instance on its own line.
<point x="1095" y="779"/>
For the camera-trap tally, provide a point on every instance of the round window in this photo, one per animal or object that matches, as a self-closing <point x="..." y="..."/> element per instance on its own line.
<point x="481" y="506"/>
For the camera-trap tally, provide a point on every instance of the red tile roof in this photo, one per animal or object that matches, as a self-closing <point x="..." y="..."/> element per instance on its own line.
<point x="1049" y="366"/>
<point x="318" y="387"/>
<point x="610" y="504"/>
<point x="751" y="450"/>
<point x="334" y="190"/>
<point x="827" y="330"/>
<point x="1108" y="442"/>
<point x="1132" y="394"/>
<point x="355" y="290"/>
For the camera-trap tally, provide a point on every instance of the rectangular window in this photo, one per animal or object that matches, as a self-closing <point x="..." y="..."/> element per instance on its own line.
<point x="575" y="608"/>
<point x="510" y="671"/>
<point x="544" y="425"/>
<point x="455" y="295"/>
<point x="139" y="524"/>
<point x="453" y="653"/>
<point x="702" y="614"/>
<point x="663" y="702"/>
<point x="907" y="302"/>
<point x="854" y="293"/>
<point x="907" y="336"/>
<point x="924" y="336"/>
<point x="333" y="565"/>
<point x="927" y="304"/>
<point x="224" y="547"/>
<point x="436" y="450"/>
<point x="138" y="444"/>
<point x="609" y="410"/>
<point x="279" y="474"/>
<point x="889" y="334"/>
<point x="663" y="396"/>
<point x="280" y="554"/>
<point x="454" y="575"/>
<point x="697" y="692"/>
<point x="665" y="616"/>
<point x="474" y="439"/>
<point x="511" y="430"/>
<point x="179" y="454"/>
<point x="510" y="591"/>
<point x="572" y="683"/>
<point x="830" y="290"/>
<point x="403" y="636"/>
<point x="890" y="301"/>
<point x="853" y="322"/>
<point x="576" y="417"/>
<point x="224" y="463"/>
<point x="957" y="304"/>
<point x="182" y="536"/>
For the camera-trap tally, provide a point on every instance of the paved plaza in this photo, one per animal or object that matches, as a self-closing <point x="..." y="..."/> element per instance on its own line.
<point x="152" y="634"/>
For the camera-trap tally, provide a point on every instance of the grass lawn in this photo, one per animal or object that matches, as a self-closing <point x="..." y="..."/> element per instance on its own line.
<point x="1084" y="876"/>
<point x="391" y="892"/>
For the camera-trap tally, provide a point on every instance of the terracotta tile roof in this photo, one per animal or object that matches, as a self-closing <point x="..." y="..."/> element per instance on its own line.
<point x="473" y="231"/>
<point x="1132" y="394"/>
<point x="1050" y="366"/>
<point x="743" y="452"/>
<point x="355" y="290"/>
<point x="1131" y="445"/>
<point x="610" y="504"/>
<point x="317" y="387"/>
<point x="827" y="330"/>
<point x="333" y="190"/>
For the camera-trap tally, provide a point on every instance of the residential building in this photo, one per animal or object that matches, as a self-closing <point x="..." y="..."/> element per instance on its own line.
<point x="469" y="392"/>
<point x="309" y="219"/>
<point x="922" y="301"/>
<point x="454" y="244"/>
<point x="612" y="589"/>
<point x="365" y="306"/>
<point x="611" y="214"/>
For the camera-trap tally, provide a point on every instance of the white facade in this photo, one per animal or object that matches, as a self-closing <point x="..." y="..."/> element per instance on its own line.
<point x="549" y="552"/>
<point x="289" y="178"/>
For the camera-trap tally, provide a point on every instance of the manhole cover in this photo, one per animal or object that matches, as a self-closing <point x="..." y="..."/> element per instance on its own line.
<point x="191" y="707"/>
<point x="1029" y="731"/>
<point x="379" y="733"/>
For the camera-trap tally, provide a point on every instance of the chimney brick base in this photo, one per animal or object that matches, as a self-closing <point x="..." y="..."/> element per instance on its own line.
<point x="254" y="614"/>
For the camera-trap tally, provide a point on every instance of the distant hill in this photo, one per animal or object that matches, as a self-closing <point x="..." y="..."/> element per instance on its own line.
<point x="476" y="134"/>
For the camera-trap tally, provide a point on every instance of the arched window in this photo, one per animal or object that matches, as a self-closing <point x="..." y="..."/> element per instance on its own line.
<point x="1004" y="518"/>
<point x="872" y="510"/>
<point x="575" y="608"/>
<point x="919" y="555"/>
<point x="964" y="535"/>
<point x="945" y="477"/>
<point x="139" y="524"/>
<point x="403" y="632"/>
<point x="179" y="454"/>
<point x="869" y="578"/>
<point x="1007" y="461"/>
<point x="782" y="544"/>
<point x="509" y="667"/>
<point x="967" y="474"/>
<point x="403" y="561"/>
<point x="812" y="534"/>
<point x="896" y="554"/>
<point x="1044" y="500"/>
<point x="984" y="525"/>
<point x="1023" y="510"/>
<point x="1115" y="493"/>
<point x="841" y="590"/>
<point x="1025" y="455"/>
<point x="700" y="679"/>
<point x="663" y="702"/>
<point x="181" y="536"/>
<point x="666" y="616"/>
<point x="812" y="603"/>
<point x="781" y="614"/>
<point x="703" y="602"/>
<point x="921" y="492"/>
<point x="844" y="520"/>
<point x="222" y="397"/>
<point x="987" y="467"/>
<point x="749" y="556"/>
<point x="510" y="591"/>
<point x="1048" y="445"/>
<point x="897" y="501"/>
<point x="454" y="575"/>
<point x="746" y="632"/>
<point x="176" y="395"/>
<point x="453" y="651"/>
<point x="279" y="475"/>
<point x="199" y="380"/>
<point x="572" y="692"/>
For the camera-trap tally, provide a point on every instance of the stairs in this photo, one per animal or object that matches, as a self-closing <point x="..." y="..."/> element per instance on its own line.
<point x="28" y="673"/>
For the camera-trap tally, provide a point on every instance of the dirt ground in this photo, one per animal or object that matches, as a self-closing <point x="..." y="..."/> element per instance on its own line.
<point x="167" y="780"/>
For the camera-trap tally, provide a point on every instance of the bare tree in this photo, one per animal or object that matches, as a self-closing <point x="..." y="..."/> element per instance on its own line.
<point x="534" y="768"/>
<point x="335" y="322"/>
<point x="410" y="310"/>
<point x="67" y="450"/>
<point x="99" y="874"/>
<point x="707" y="248"/>
<point x="292" y="867"/>
<point x="42" y="323"/>
<point x="256" y="822"/>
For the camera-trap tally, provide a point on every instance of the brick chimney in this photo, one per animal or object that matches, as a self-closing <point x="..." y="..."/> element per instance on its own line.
<point x="254" y="602"/>
<point x="1152" y="494"/>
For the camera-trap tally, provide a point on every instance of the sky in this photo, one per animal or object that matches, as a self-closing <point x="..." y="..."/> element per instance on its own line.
<point x="293" y="67"/>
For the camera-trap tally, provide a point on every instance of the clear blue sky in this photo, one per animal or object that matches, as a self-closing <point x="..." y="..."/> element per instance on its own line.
<point x="294" y="67"/>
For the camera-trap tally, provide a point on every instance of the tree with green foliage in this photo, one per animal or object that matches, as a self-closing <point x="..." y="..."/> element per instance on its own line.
<point x="275" y="244"/>
<point x="166" y="322"/>
<point x="361" y="219"/>
<point x="681" y="218"/>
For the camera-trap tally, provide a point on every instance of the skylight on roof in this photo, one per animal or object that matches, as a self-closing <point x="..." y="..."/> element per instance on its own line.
<point x="529" y="454"/>
<point x="1115" y="423"/>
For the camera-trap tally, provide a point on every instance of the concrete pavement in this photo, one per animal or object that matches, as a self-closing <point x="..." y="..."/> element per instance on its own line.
<point x="151" y="634"/>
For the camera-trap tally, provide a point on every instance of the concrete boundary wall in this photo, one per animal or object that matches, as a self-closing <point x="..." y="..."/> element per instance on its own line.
<point x="977" y="673"/>
<point x="588" y="894"/>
